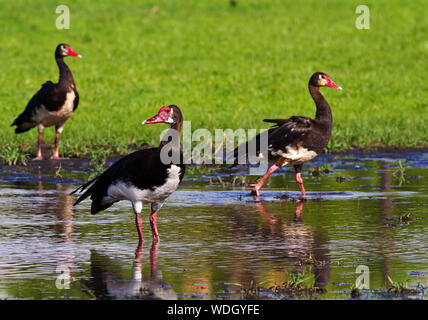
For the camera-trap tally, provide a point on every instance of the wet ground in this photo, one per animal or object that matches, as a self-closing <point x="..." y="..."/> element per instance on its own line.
<point x="217" y="241"/>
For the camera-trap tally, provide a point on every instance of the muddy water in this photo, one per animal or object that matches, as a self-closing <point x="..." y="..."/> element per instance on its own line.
<point x="216" y="240"/>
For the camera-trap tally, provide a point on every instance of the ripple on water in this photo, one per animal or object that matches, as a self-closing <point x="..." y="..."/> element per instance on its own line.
<point x="219" y="235"/>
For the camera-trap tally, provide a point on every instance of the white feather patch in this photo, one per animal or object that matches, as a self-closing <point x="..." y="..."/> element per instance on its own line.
<point x="295" y="156"/>
<point x="50" y="118"/>
<point x="170" y="119"/>
<point x="126" y="191"/>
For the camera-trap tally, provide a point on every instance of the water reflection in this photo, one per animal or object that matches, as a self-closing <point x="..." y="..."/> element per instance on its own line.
<point x="302" y="240"/>
<point x="38" y="230"/>
<point x="60" y="204"/>
<point x="109" y="280"/>
<point x="386" y="236"/>
<point x="213" y="239"/>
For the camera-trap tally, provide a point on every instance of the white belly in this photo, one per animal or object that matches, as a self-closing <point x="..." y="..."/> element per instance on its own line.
<point x="294" y="156"/>
<point x="50" y="118"/>
<point x="126" y="191"/>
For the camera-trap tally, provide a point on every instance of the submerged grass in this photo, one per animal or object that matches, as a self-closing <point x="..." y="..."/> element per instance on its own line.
<point x="399" y="173"/>
<point x="394" y="289"/>
<point x="297" y="284"/>
<point x="226" y="66"/>
<point x="397" y="287"/>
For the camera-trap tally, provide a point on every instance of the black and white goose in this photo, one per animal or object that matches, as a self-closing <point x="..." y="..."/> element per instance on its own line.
<point x="298" y="139"/>
<point x="145" y="176"/>
<point x="53" y="104"/>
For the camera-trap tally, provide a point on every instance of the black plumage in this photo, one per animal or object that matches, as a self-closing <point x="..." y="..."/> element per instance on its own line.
<point x="142" y="169"/>
<point x="52" y="104"/>
<point x="142" y="176"/>
<point x="295" y="140"/>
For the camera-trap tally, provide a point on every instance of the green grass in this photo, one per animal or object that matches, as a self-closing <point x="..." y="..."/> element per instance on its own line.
<point x="225" y="66"/>
<point x="12" y="156"/>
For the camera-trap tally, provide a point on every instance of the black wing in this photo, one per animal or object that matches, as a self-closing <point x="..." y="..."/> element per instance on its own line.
<point x="241" y="153"/>
<point x="142" y="168"/>
<point x="47" y="95"/>
<point x="289" y="131"/>
<point x="285" y="132"/>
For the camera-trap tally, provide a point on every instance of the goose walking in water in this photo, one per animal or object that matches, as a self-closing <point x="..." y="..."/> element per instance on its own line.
<point x="298" y="139"/>
<point x="145" y="176"/>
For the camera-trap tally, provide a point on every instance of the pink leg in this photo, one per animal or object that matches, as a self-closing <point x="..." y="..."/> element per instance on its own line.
<point x="39" y="146"/>
<point x="55" y="155"/>
<point x="139" y="224"/>
<point x="56" y="152"/>
<point x="153" y="224"/>
<point x="299" y="181"/>
<point x="262" y="181"/>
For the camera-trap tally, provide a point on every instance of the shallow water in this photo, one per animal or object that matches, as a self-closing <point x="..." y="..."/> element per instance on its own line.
<point x="216" y="239"/>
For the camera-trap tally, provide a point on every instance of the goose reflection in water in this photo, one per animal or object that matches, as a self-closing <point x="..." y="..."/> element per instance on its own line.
<point x="301" y="239"/>
<point x="109" y="281"/>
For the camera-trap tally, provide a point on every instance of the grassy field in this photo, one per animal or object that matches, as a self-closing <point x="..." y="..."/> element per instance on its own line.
<point x="225" y="66"/>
